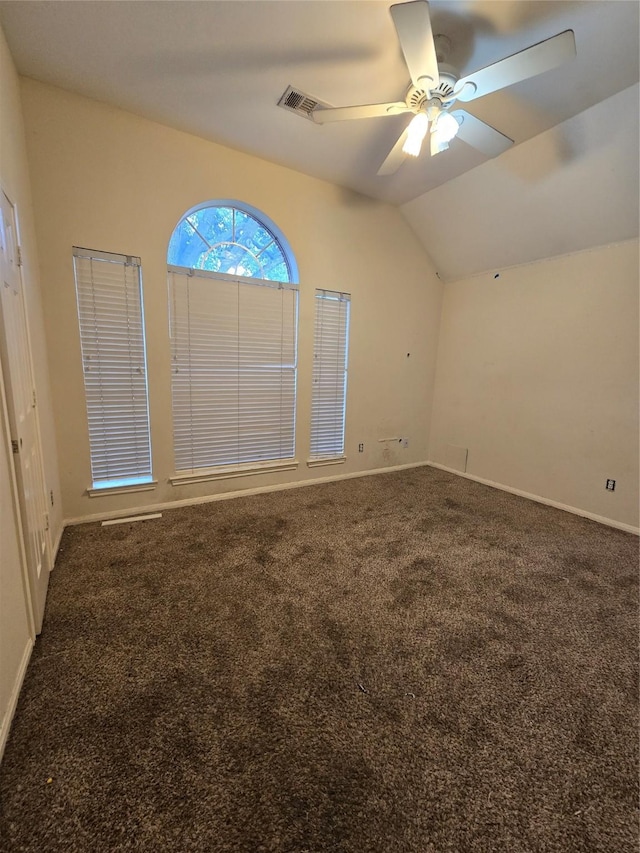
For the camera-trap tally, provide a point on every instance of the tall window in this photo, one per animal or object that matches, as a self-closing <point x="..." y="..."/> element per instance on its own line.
<point x="328" y="404"/>
<point x="109" y="294"/>
<point x="233" y="322"/>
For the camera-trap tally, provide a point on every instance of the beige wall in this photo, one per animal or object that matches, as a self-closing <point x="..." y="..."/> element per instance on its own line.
<point x="538" y="378"/>
<point x="15" y="630"/>
<point x="108" y="180"/>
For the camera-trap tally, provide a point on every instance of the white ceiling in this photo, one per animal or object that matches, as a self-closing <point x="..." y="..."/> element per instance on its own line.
<point x="218" y="69"/>
<point x="571" y="188"/>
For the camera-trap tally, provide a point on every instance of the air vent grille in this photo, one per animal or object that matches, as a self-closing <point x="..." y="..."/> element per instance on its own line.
<point x="298" y="102"/>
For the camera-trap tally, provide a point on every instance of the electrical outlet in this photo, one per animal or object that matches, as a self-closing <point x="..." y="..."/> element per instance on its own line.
<point x="361" y="448"/>
<point x="611" y="485"/>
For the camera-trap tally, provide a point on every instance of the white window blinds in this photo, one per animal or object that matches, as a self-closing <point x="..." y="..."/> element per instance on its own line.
<point x="234" y="349"/>
<point x="109" y="294"/>
<point x="329" y="374"/>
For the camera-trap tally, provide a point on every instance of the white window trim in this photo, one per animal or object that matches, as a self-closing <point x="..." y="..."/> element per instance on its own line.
<point x="319" y="461"/>
<point x="99" y="492"/>
<point x="237" y="279"/>
<point x="227" y="472"/>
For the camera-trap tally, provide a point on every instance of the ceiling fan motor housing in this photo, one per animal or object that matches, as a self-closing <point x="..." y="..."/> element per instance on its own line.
<point x="419" y="100"/>
<point x="448" y="79"/>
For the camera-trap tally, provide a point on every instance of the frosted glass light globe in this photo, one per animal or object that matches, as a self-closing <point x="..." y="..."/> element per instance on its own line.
<point x="446" y="127"/>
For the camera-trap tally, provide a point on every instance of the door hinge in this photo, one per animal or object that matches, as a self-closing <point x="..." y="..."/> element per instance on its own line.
<point x="34" y="398"/>
<point x="19" y="255"/>
<point x="14" y="445"/>
<point x="46" y="521"/>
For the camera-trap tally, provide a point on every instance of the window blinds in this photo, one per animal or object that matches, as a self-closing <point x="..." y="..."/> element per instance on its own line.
<point x="234" y="348"/>
<point x="329" y="374"/>
<point x="109" y="294"/>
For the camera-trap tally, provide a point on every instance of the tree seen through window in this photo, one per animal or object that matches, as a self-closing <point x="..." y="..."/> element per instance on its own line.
<point x="225" y="239"/>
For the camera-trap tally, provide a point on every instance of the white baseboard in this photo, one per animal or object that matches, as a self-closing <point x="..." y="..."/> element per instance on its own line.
<point x="13" y="699"/>
<point x="610" y="522"/>
<point x="258" y="490"/>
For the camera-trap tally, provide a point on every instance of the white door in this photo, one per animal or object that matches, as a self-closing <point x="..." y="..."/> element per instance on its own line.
<point x="17" y="370"/>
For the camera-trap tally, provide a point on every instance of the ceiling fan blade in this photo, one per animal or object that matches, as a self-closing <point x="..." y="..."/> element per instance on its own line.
<point x="527" y="63"/>
<point x="324" y="114"/>
<point x="413" y="25"/>
<point x="395" y="158"/>
<point x="481" y="135"/>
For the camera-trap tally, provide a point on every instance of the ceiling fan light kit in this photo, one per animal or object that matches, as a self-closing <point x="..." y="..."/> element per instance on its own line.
<point x="437" y="85"/>
<point x="416" y="132"/>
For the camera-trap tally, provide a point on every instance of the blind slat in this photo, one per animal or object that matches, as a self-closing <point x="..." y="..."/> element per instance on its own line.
<point x="234" y="362"/>
<point x="328" y="399"/>
<point x="109" y="298"/>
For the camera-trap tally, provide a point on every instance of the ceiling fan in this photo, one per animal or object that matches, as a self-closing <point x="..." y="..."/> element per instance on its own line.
<point x="436" y="86"/>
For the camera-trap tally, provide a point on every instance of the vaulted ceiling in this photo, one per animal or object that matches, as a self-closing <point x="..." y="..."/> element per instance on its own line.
<point x="218" y="70"/>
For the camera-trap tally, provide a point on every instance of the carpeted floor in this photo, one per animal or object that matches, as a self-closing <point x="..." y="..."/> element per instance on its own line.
<point x="403" y="662"/>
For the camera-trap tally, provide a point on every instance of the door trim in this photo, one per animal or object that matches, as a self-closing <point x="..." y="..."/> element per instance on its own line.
<point x="35" y="601"/>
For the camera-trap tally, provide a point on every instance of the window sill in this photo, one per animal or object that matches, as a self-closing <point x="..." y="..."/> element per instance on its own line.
<point x="326" y="460"/>
<point x="227" y="472"/>
<point x="122" y="490"/>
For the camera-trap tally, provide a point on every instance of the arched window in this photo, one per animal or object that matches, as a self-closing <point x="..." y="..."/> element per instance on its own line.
<point x="233" y="303"/>
<point x="234" y="239"/>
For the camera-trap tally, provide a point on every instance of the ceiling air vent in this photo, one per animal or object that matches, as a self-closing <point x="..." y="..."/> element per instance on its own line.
<point x="297" y="102"/>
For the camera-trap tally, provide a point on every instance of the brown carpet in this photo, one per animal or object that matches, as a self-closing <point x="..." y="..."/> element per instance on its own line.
<point x="404" y="662"/>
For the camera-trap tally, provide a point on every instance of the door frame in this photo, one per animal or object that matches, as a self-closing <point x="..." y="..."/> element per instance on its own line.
<point x="15" y="501"/>
<point x="8" y="414"/>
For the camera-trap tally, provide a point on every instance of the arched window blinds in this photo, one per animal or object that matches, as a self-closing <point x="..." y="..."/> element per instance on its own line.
<point x="233" y="302"/>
